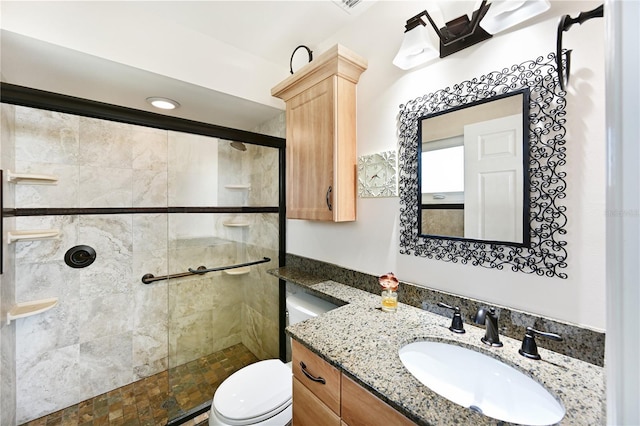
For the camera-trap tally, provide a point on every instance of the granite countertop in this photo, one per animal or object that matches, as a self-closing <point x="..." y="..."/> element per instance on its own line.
<point x="363" y="342"/>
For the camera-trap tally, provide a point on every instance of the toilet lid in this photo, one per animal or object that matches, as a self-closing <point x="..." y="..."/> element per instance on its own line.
<point x="255" y="392"/>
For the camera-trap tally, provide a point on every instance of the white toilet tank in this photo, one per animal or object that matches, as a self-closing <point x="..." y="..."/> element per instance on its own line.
<point x="302" y="306"/>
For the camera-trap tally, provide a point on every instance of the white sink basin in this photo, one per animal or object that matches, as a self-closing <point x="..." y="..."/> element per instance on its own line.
<point x="481" y="383"/>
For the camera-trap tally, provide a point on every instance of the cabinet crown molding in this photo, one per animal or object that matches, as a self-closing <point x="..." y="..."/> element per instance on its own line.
<point x="338" y="60"/>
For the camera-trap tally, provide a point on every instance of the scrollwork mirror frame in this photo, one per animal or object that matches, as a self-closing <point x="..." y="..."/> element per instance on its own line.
<point x="546" y="253"/>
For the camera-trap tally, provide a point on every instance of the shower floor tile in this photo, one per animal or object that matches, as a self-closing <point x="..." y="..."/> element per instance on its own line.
<point x="156" y="399"/>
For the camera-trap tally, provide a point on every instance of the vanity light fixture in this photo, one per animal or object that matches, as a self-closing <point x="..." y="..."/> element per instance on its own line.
<point x="458" y="25"/>
<point x="163" y="103"/>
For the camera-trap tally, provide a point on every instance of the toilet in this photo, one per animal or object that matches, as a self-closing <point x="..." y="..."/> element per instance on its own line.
<point x="260" y="393"/>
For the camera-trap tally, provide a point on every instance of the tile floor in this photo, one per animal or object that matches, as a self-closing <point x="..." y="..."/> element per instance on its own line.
<point x="154" y="400"/>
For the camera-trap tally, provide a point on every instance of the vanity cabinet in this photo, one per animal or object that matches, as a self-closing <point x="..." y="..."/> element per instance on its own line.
<point x="337" y="401"/>
<point x="321" y="136"/>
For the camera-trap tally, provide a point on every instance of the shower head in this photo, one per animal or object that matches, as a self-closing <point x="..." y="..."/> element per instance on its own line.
<point x="238" y="145"/>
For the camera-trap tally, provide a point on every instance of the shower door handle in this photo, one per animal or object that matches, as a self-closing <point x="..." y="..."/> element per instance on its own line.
<point x="329" y="198"/>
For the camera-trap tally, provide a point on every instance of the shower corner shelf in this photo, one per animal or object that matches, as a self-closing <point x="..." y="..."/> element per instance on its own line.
<point x="31" y="179"/>
<point x="237" y="224"/>
<point x="245" y="187"/>
<point x="36" y="234"/>
<point x="238" y="271"/>
<point x="26" y="309"/>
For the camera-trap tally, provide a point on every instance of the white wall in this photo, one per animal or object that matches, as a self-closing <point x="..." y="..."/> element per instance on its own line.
<point x="371" y="243"/>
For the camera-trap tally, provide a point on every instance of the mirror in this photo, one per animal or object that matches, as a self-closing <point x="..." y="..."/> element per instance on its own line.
<point x="472" y="171"/>
<point x="539" y="248"/>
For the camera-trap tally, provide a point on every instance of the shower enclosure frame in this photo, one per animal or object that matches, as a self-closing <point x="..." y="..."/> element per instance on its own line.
<point x="35" y="98"/>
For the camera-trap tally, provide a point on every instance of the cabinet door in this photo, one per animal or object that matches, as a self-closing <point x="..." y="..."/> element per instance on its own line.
<point x="310" y="138"/>
<point x="308" y="410"/>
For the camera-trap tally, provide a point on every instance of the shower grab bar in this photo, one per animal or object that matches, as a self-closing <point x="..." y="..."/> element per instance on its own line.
<point x="200" y="270"/>
<point x="224" y="268"/>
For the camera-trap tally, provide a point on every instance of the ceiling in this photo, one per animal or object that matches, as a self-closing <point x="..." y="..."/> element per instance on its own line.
<point x="267" y="29"/>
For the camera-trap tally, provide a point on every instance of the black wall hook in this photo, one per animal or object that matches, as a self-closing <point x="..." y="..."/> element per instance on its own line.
<point x="566" y="22"/>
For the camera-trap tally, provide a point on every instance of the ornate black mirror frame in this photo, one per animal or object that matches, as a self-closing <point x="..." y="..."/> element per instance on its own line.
<point x="546" y="252"/>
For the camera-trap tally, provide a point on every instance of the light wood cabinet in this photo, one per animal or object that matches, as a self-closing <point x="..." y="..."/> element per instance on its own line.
<point x="308" y="410"/>
<point x="337" y="401"/>
<point x="360" y="407"/>
<point x="317" y="375"/>
<point x="321" y="136"/>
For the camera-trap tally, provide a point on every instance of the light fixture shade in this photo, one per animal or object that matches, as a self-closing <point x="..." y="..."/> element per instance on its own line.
<point x="505" y="14"/>
<point x="416" y="49"/>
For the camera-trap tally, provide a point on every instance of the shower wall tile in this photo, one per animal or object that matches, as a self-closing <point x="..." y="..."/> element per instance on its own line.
<point x="192" y="179"/>
<point x="151" y="305"/>
<point x="51" y="250"/>
<point x="150" y="232"/>
<point x="264" y="232"/>
<point x="110" y="235"/>
<point x="226" y="326"/>
<point x="44" y="280"/>
<point x="230" y="166"/>
<point x="55" y="329"/>
<point x="190" y="296"/>
<point x="259" y="334"/>
<point x="7" y="279"/>
<point x="262" y="172"/>
<point x="190" y="337"/>
<point x="105" y="144"/>
<point x="7" y="373"/>
<point x="105" y="187"/>
<point x="47" y="382"/>
<point x="149" y="188"/>
<point x="46" y="136"/>
<point x="103" y="316"/>
<point x="106" y="363"/>
<point x="150" y="350"/>
<point x="62" y="194"/>
<point x="149" y="150"/>
<point x="150" y="342"/>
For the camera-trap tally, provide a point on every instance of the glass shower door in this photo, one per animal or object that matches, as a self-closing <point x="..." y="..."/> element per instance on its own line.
<point x="223" y="320"/>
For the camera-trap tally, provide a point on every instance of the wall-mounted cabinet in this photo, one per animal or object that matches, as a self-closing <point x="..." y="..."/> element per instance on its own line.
<point x="321" y="136"/>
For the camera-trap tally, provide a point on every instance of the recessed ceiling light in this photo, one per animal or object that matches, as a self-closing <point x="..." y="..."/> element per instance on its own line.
<point x="163" y="103"/>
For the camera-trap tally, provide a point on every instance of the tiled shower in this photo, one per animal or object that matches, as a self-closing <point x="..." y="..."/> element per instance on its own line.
<point x="116" y="186"/>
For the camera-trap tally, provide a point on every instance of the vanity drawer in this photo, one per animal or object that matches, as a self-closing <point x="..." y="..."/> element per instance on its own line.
<point x="361" y="407"/>
<point x="308" y="410"/>
<point x="315" y="367"/>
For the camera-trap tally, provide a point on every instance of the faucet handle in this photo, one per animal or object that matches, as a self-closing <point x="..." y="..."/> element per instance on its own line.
<point x="457" y="326"/>
<point x="529" y="348"/>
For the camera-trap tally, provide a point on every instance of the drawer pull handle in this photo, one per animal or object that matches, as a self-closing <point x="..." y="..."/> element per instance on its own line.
<point x="310" y="376"/>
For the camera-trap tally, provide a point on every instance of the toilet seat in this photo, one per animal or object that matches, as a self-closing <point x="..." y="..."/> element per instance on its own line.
<point x="254" y="393"/>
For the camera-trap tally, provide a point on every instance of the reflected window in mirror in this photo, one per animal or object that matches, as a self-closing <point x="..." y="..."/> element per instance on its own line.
<point x="442" y="186"/>
<point x="473" y="171"/>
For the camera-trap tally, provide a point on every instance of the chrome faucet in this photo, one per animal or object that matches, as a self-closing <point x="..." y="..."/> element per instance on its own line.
<point x="489" y="318"/>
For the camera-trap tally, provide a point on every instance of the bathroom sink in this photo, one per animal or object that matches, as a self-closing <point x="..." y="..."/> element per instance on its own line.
<point x="481" y="383"/>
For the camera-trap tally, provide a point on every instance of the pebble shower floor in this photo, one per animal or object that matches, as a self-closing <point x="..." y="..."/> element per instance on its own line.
<point x="154" y="400"/>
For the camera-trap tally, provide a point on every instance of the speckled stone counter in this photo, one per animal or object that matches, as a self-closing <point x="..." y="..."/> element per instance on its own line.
<point x="363" y="342"/>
